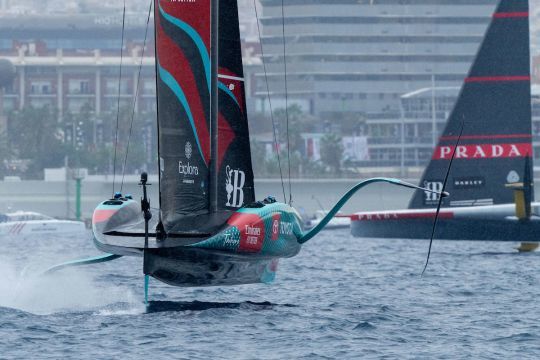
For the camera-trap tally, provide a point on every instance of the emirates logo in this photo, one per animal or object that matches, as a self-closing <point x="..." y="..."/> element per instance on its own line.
<point x="188" y="150"/>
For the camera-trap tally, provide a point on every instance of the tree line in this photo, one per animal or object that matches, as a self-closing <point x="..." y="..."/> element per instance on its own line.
<point x="39" y="138"/>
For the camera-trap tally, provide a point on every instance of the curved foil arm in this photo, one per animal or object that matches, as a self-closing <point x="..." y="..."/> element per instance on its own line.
<point x="311" y="233"/>
<point x="93" y="260"/>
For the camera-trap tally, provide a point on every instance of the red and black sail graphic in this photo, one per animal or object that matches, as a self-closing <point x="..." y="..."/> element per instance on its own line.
<point x="494" y="107"/>
<point x="235" y="177"/>
<point x="183" y="34"/>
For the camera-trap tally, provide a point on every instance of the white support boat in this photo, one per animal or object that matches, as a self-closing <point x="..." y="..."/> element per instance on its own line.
<point x="339" y="221"/>
<point x="26" y="223"/>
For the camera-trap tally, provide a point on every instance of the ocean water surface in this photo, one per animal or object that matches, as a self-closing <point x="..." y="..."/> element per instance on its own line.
<point x="341" y="297"/>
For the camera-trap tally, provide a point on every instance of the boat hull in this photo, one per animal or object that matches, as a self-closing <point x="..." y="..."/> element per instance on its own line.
<point x="192" y="267"/>
<point x="244" y="251"/>
<point x="334" y="224"/>
<point x="41" y="227"/>
<point x="484" y="223"/>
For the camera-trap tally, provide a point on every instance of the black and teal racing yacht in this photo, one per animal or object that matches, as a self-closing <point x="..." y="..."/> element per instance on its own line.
<point x="209" y="229"/>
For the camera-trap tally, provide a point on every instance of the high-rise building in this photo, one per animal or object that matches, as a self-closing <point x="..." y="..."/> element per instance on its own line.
<point x="71" y="61"/>
<point x="361" y="56"/>
<point x="395" y="64"/>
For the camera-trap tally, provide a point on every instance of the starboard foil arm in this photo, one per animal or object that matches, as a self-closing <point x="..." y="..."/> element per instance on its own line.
<point x="88" y="261"/>
<point x="314" y="231"/>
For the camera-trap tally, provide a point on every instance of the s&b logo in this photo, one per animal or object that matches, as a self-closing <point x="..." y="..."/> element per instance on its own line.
<point x="234" y="185"/>
<point x="432" y="197"/>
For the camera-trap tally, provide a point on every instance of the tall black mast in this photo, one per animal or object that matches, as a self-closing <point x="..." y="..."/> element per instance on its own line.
<point x="156" y="59"/>
<point x="214" y="52"/>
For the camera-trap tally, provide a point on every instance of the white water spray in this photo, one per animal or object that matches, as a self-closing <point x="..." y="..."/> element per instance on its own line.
<point x="24" y="288"/>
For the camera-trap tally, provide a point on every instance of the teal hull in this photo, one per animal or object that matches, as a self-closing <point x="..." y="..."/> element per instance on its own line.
<point x="246" y="250"/>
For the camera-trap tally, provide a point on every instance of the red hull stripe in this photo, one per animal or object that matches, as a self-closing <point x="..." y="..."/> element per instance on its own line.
<point x="401" y="216"/>
<point x="507" y="15"/>
<point x="488" y="137"/>
<point x="475" y="79"/>
<point x="102" y="215"/>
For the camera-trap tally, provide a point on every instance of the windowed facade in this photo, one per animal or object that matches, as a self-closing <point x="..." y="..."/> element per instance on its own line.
<point x="79" y="86"/>
<point x="376" y="59"/>
<point x="379" y="50"/>
<point x="41" y="88"/>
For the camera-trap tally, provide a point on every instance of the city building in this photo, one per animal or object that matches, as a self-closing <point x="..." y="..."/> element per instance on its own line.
<point x="361" y="56"/>
<point x="395" y="64"/>
<point x="69" y="61"/>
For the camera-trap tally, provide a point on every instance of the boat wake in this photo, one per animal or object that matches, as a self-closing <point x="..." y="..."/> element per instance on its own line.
<point x="24" y="288"/>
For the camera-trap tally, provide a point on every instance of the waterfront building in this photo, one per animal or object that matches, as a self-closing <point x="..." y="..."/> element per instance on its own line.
<point x="375" y="60"/>
<point x="71" y="61"/>
<point x="396" y="64"/>
<point x="361" y="56"/>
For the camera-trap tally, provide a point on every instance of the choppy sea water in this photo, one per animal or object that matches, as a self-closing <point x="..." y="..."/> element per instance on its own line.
<point x="341" y="297"/>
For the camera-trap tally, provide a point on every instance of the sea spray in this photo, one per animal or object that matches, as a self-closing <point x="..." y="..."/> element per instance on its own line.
<point x="24" y="287"/>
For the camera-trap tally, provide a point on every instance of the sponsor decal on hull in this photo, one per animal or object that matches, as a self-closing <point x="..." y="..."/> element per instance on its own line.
<point x="275" y="226"/>
<point x="251" y="228"/>
<point x="400" y="216"/>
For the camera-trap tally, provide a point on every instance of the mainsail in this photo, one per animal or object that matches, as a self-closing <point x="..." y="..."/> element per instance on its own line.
<point x="494" y="106"/>
<point x="184" y="33"/>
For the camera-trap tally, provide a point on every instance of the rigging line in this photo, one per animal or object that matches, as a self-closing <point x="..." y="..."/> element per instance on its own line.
<point x="274" y="128"/>
<point x="118" y="99"/>
<point x="136" y="96"/>
<point x="286" y="96"/>
<point x="442" y="196"/>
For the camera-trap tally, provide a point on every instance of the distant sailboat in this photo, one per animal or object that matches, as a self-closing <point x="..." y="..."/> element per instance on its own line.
<point x="495" y="150"/>
<point x="340" y="221"/>
<point x="209" y="229"/>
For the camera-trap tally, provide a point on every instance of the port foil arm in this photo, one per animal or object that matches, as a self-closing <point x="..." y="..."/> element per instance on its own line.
<point x="88" y="261"/>
<point x="314" y="231"/>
